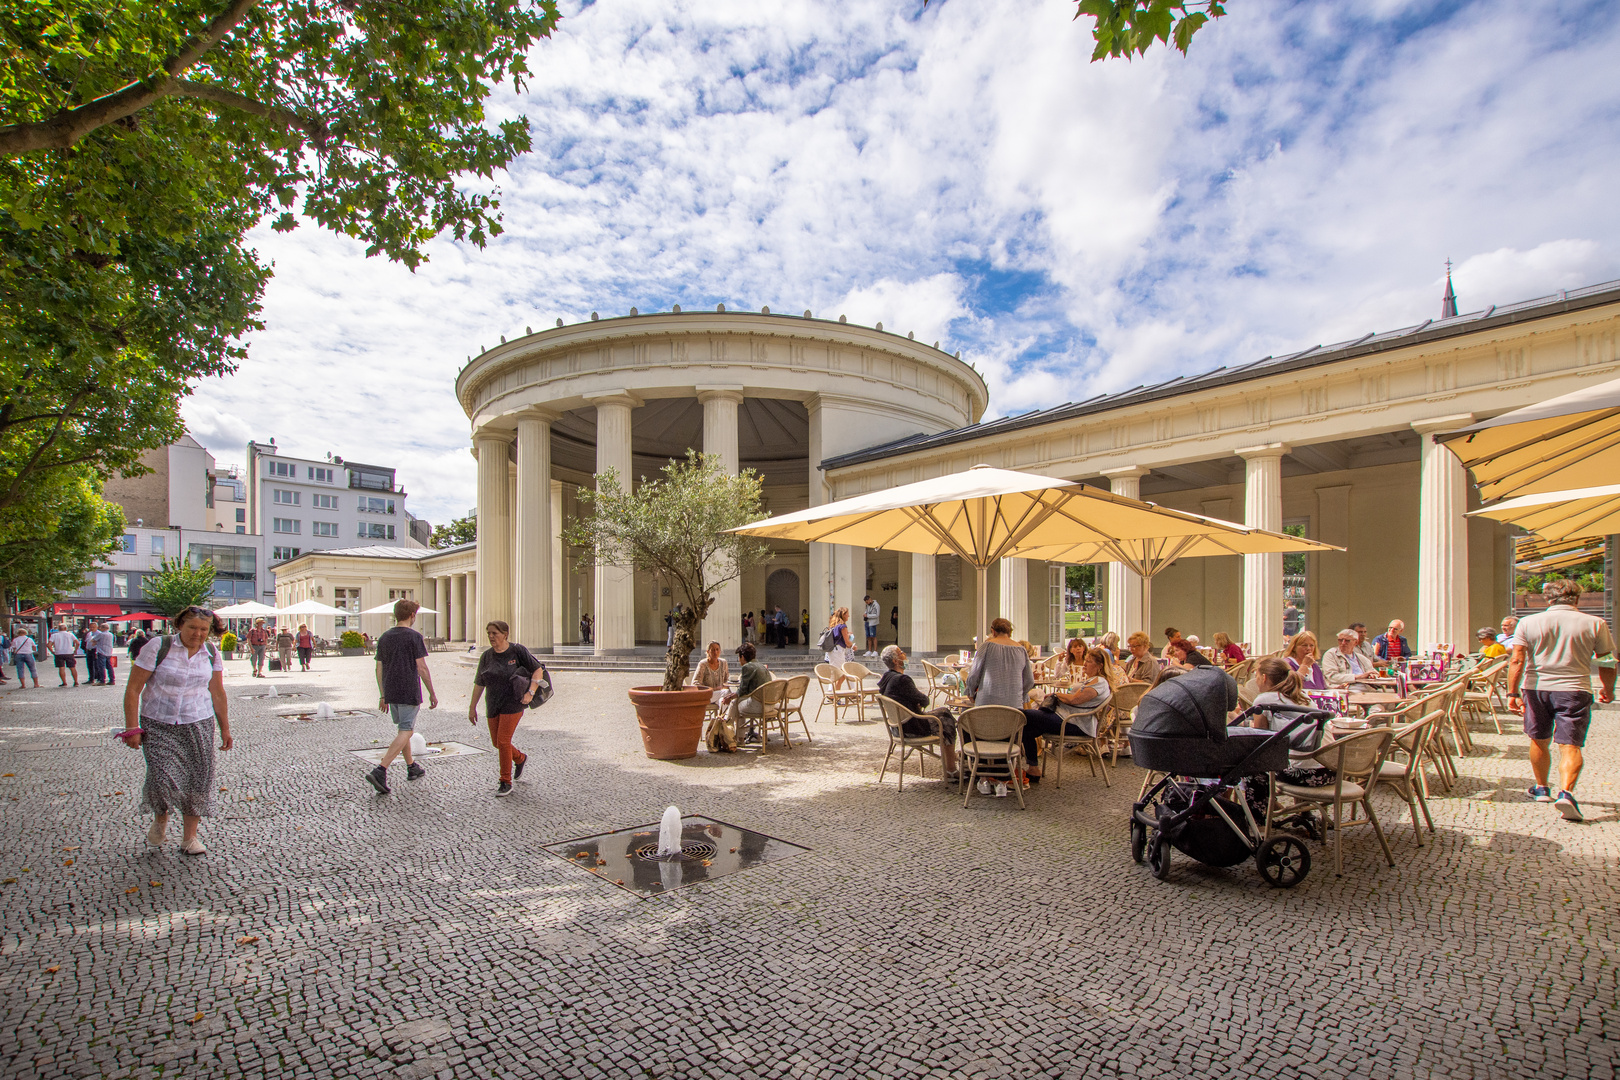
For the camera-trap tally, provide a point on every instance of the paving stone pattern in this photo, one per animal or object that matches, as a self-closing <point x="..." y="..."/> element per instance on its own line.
<point x="333" y="932"/>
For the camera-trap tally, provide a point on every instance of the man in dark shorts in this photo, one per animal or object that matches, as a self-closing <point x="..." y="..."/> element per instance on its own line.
<point x="402" y="671"/>
<point x="1552" y="658"/>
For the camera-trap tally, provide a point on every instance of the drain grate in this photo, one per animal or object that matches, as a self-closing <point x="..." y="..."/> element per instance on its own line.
<point x="649" y="852"/>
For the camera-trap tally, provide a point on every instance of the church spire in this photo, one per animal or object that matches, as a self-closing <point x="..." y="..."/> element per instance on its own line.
<point x="1448" y="303"/>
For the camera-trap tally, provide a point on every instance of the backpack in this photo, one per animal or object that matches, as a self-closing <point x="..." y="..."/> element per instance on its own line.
<point x="168" y="643"/>
<point x="829" y="640"/>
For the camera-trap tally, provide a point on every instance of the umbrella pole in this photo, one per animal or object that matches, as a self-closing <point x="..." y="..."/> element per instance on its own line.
<point x="984" y="609"/>
<point x="1147" y="603"/>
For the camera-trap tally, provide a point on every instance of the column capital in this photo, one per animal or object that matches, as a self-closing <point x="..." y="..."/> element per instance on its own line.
<point x="489" y="434"/>
<point x="537" y="412"/>
<point x="1263" y="451"/>
<point x="1126" y="473"/>
<point x="621" y="397"/>
<point x="1442" y="423"/>
<point x="706" y="394"/>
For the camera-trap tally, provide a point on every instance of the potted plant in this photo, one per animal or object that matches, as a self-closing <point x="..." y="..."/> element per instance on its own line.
<point x="351" y="644"/>
<point x="227" y="644"/>
<point x="675" y="525"/>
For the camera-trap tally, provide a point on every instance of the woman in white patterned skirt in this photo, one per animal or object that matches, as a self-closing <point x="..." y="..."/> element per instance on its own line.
<point x="175" y="695"/>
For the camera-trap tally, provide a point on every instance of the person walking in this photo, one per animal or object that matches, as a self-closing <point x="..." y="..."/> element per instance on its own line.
<point x="92" y="659"/>
<point x="872" y="612"/>
<point x="508" y="677"/>
<point x="402" y="671"/>
<point x="1552" y="660"/>
<point x="176" y="688"/>
<point x="22" y="655"/>
<point x="5" y="655"/>
<point x="258" y="640"/>
<point x="306" y="646"/>
<point x="64" y="650"/>
<point x="106" y="654"/>
<point x="284" y="648"/>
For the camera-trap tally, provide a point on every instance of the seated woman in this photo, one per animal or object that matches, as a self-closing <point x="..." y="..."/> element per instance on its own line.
<point x="898" y="686"/>
<point x="1140" y="666"/>
<point x="1185" y="656"/>
<point x="712" y="673"/>
<point x="1170" y="634"/>
<point x="1226" y="653"/>
<point x="752" y="676"/>
<point x="1110" y="641"/>
<point x="1301" y="656"/>
<point x="1070" y="660"/>
<point x="1280" y="685"/>
<point x="1076" y="711"/>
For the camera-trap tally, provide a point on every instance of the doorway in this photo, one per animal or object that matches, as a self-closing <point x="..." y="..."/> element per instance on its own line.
<point x="782" y="590"/>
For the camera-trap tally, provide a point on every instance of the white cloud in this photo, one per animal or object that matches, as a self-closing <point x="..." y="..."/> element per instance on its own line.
<point x="964" y="172"/>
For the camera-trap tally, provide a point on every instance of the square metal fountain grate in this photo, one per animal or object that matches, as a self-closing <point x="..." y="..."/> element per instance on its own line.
<point x="710" y="849"/>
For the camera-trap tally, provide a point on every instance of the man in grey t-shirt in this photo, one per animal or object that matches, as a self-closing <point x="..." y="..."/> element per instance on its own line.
<point x="1553" y="652"/>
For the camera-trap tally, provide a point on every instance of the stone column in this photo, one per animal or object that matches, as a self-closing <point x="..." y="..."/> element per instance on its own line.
<point x="820" y="587"/>
<point x="720" y="406"/>
<point x="458" y="592"/>
<point x="559" y="574"/>
<point x="475" y="613"/>
<point x="849" y="586"/>
<point x="1262" y="574"/>
<point x="924" y="614"/>
<point x="532" y="575"/>
<point x="436" y="602"/>
<point x="615" y="585"/>
<point x="1442" y="614"/>
<point x="1124" y="596"/>
<point x="494" y="587"/>
<point x="1013" y="597"/>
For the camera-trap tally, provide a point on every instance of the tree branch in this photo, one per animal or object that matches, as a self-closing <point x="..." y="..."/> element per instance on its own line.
<point x="314" y="130"/>
<point x="68" y="126"/>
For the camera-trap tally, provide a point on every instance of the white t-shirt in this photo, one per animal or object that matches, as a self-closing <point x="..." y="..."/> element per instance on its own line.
<point x="178" y="694"/>
<point x="1561" y="644"/>
<point x="63" y="643"/>
<point x="22" y="645"/>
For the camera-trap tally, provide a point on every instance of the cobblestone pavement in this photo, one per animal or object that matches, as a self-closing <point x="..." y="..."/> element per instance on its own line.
<point x="333" y="932"/>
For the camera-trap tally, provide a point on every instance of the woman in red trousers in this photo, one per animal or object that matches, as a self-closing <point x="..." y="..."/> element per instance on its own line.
<point x="500" y="682"/>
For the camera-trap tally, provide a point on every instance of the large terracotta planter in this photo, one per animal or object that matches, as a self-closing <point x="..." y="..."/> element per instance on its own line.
<point x="671" y="720"/>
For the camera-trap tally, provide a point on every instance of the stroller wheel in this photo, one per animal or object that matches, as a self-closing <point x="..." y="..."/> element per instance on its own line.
<point x="1159" y="856"/>
<point x="1283" y="861"/>
<point x="1138" y="840"/>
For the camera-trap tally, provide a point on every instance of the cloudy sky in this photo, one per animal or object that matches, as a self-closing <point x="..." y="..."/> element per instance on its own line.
<point x="964" y="172"/>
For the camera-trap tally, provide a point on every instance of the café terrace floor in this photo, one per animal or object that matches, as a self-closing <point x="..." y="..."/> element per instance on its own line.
<point x="333" y="932"/>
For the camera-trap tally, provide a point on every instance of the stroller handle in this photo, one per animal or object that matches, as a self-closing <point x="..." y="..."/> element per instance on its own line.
<point x="1303" y="714"/>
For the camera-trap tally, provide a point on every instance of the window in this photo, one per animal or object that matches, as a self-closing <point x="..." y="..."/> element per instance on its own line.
<point x="372" y="479"/>
<point x="245" y="590"/>
<point x="160" y="546"/>
<point x="402" y="594"/>
<point x="225" y="590"/>
<point x="348" y="600"/>
<point x="320" y="476"/>
<point x="241" y="529"/>
<point x="324" y="502"/>
<point x="227" y="558"/>
<point x="282" y="553"/>
<point x="324" y="528"/>
<point x="241" y="515"/>
<point x="286" y="525"/>
<point x="103" y="584"/>
<point x="120" y="586"/>
<point x="286" y="498"/>
<point x="370" y="505"/>
<point x="376" y="531"/>
<point x="284" y="468"/>
<point x="127" y="544"/>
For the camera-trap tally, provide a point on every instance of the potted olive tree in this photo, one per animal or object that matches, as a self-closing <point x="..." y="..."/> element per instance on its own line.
<point x="675" y="525"/>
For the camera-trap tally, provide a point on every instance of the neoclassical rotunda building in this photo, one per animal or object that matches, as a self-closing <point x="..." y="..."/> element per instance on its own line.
<point x="775" y="393"/>
<point x="1334" y="441"/>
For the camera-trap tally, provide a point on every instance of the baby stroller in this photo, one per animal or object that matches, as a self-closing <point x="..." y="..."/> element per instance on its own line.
<point x="1201" y="806"/>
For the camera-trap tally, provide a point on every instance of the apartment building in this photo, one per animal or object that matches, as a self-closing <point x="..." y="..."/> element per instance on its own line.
<point x="306" y="504"/>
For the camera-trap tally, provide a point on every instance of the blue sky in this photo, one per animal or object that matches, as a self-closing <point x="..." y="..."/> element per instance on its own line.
<point x="965" y="173"/>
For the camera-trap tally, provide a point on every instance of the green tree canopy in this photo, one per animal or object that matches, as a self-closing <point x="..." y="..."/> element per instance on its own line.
<point x="1130" y="27"/>
<point x="674" y="525"/>
<point x="140" y="143"/>
<point x="55" y="538"/>
<point x="460" y="531"/>
<point x="178" y="585"/>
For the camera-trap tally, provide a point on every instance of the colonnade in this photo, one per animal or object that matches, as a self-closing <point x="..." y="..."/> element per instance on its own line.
<point x="453" y="596"/>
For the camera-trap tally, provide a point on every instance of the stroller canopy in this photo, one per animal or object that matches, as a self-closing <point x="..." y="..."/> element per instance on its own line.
<point x="1190" y="706"/>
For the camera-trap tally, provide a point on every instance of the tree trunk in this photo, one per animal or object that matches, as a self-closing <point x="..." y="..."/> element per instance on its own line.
<point x="678" y="661"/>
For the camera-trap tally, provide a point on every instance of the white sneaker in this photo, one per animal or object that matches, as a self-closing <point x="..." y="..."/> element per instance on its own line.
<point x="157" y="833"/>
<point x="194" y="846"/>
<point x="985" y="787"/>
<point x="1001" y="791"/>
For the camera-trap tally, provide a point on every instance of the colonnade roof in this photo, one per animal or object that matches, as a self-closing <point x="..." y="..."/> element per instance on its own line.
<point x="1267" y="367"/>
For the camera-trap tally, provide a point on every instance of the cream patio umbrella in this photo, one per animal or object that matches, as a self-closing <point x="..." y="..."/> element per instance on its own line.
<point x="1561" y="444"/>
<point x="248" y="609"/>
<point x="388" y="609"/>
<point x="313" y="607"/>
<point x="985" y="514"/>
<point x="1561" y="515"/>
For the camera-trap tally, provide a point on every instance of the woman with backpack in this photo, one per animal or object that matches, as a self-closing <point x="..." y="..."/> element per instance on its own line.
<point x="174" y="696"/>
<point x="508" y="678"/>
<point x="836" y="643"/>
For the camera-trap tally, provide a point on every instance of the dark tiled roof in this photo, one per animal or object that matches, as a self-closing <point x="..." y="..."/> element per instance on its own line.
<point x="1429" y="330"/>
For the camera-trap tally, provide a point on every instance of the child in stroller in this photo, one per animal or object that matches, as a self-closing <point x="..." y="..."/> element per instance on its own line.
<point x="1201" y="807"/>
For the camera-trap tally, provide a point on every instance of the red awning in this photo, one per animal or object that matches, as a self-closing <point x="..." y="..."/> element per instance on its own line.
<point x="139" y="616"/>
<point x="98" y="610"/>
